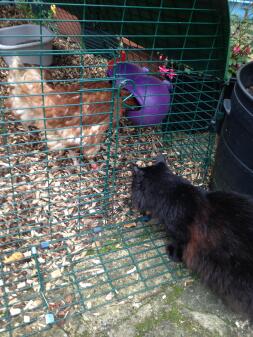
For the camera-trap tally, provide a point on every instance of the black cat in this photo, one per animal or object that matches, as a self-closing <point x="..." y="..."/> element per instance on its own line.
<point x="211" y="232"/>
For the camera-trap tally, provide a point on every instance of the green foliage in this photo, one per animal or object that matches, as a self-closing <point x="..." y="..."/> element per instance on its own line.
<point x="241" y="40"/>
<point x="26" y="8"/>
<point x="35" y="10"/>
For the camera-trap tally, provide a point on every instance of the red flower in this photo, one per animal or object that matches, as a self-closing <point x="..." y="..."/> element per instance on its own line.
<point x="162" y="57"/>
<point x="247" y="50"/>
<point x="121" y="58"/>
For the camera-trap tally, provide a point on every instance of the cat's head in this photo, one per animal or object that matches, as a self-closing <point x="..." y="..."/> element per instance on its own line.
<point x="145" y="181"/>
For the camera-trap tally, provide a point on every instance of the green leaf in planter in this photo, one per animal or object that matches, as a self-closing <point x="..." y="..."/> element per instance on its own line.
<point x="187" y="70"/>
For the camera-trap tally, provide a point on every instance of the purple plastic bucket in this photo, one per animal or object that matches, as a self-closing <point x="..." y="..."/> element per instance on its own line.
<point x="129" y="70"/>
<point x="151" y="93"/>
<point x="153" y="96"/>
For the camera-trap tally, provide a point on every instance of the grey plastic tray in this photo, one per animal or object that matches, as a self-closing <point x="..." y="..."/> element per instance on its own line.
<point x="32" y="39"/>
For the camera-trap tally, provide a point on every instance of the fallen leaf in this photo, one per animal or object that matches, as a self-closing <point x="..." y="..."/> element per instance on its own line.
<point x="56" y="273"/>
<point x="95" y="244"/>
<point x="69" y="299"/>
<point x="130" y="225"/>
<point x="27" y="319"/>
<point x="15" y="311"/>
<point x="32" y="305"/>
<point x="13" y="257"/>
<point x="109" y="296"/>
<point x="131" y="270"/>
<point x="188" y="282"/>
<point x="21" y="285"/>
<point x="63" y="313"/>
<point x="85" y="285"/>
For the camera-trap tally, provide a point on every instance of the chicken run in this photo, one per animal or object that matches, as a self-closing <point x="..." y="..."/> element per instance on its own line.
<point x="69" y="239"/>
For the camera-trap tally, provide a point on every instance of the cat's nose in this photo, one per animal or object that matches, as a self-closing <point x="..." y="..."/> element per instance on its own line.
<point x="160" y="159"/>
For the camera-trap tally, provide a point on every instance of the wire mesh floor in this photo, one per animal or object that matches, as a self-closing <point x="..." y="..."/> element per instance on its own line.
<point x="80" y="251"/>
<point x="69" y="240"/>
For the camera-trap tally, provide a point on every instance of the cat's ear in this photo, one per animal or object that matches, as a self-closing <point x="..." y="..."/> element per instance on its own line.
<point x="160" y="159"/>
<point x="136" y="169"/>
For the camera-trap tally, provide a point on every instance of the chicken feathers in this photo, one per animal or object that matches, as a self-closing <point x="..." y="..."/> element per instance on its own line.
<point x="69" y="115"/>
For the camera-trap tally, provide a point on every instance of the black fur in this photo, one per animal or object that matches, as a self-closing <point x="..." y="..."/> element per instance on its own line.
<point x="211" y="232"/>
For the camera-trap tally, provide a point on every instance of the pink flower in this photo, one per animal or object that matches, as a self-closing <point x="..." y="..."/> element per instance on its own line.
<point x="167" y="72"/>
<point x="236" y="49"/>
<point x="163" y="69"/>
<point x="171" y="74"/>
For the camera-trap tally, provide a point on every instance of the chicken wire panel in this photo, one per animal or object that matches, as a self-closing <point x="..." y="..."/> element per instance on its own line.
<point x="69" y="240"/>
<point x="194" y="31"/>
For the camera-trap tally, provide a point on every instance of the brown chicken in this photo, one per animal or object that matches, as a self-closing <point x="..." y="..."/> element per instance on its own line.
<point x="69" y="115"/>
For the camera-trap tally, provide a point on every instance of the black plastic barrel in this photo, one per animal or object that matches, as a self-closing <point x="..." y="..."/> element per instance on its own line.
<point x="233" y="168"/>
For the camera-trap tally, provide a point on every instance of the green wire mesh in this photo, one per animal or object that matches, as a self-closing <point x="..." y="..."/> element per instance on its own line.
<point x="69" y="240"/>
